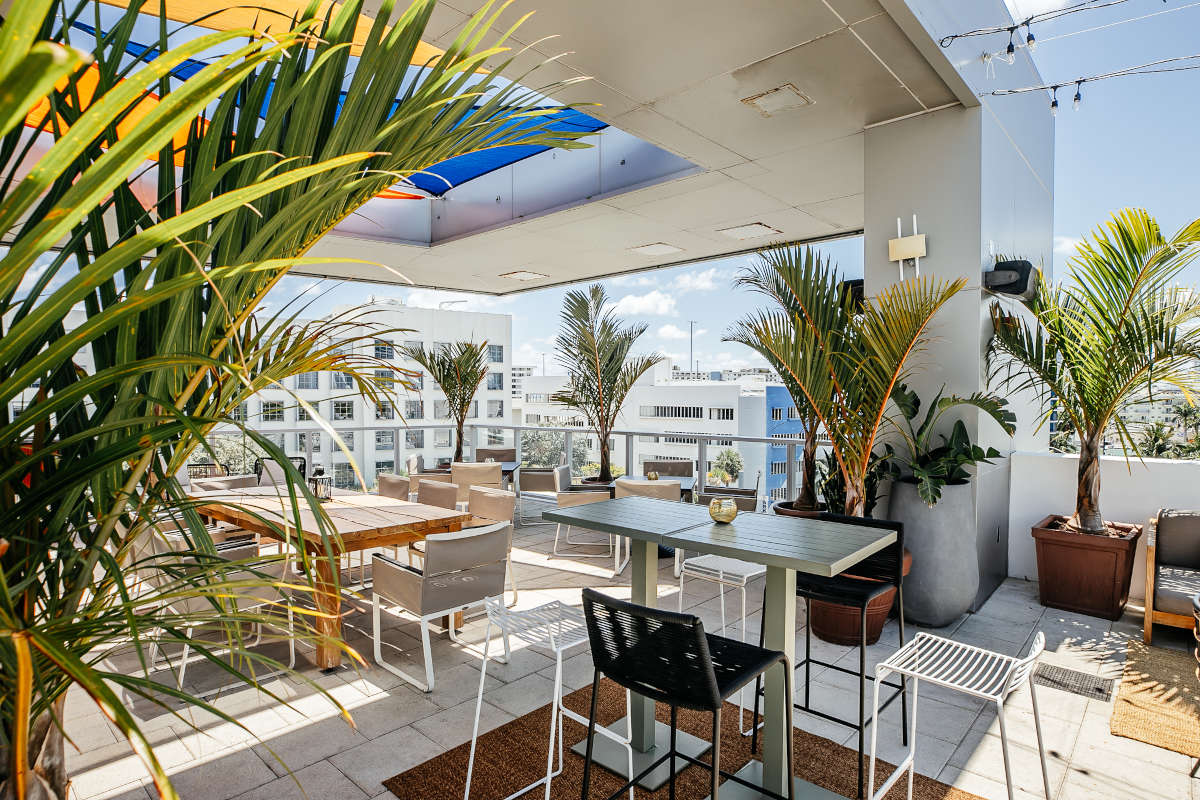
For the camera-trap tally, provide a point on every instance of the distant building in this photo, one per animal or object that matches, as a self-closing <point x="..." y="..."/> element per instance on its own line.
<point x="519" y="374"/>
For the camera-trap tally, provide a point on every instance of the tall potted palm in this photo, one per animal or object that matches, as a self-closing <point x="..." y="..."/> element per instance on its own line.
<point x="596" y="351"/>
<point x="459" y="369"/>
<point x="170" y="345"/>
<point x="844" y="362"/>
<point x="1088" y="348"/>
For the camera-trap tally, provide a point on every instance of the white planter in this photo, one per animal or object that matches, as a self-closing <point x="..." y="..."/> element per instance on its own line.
<point x="945" y="570"/>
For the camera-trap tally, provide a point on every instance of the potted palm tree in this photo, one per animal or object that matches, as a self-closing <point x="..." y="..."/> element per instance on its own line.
<point x="1088" y="348"/>
<point x="844" y="361"/>
<point x="171" y="345"/>
<point x="596" y="351"/>
<point x="459" y="369"/>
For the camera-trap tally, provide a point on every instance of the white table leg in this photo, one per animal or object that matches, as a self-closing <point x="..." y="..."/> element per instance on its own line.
<point x="779" y="621"/>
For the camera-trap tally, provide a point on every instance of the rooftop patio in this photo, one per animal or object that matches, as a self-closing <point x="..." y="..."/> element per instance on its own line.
<point x="397" y="728"/>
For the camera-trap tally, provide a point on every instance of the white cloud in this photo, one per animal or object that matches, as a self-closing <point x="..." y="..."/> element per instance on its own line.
<point x="640" y="279"/>
<point x="704" y="281"/>
<point x="1065" y="245"/>
<point x="670" y="331"/>
<point x="653" y="303"/>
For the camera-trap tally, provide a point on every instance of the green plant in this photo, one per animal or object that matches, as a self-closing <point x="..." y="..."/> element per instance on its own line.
<point x="1189" y="418"/>
<point x="729" y="461"/>
<point x="459" y="368"/>
<point x="842" y="360"/>
<point x="932" y="466"/>
<point x="596" y="351"/>
<point x="169" y="292"/>
<point x="832" y="484"/>
<point x="545" y="449"/>
<point x="1157" y="440"/>
<point x="591" y="470"/>
<point x="1095" y="344"/>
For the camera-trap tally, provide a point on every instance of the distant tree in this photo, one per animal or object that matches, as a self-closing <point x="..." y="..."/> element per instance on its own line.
<point x="1061" y="442"/>
<point x="459" y="369"/>
<point x="545" y="449"/>
<point x="592" y="469"/>
<point x="729" y="461"/>
<point x="1157" y="441"/>
<point x="1189" y="419"/>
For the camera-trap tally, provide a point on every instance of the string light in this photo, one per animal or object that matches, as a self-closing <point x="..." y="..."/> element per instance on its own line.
<point x="1030" y="42"/>
<point x="1177" y="64"/>
<point x="1045" y="16"/>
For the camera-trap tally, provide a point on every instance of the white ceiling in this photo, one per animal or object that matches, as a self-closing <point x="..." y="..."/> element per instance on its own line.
<point x="674" y="73"/>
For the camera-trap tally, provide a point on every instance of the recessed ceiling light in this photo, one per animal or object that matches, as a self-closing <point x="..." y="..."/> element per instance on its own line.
<point x="524" y="275"/>
<point x="781" y="98"/>
<point x="656" y="249"/>
<point x="751" y="231"/>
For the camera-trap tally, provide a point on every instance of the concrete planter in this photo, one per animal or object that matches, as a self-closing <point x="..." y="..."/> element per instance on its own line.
<point x="945" y="574"/>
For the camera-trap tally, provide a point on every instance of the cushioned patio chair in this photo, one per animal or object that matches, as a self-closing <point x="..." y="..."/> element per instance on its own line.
<point x="1172" y="569"/>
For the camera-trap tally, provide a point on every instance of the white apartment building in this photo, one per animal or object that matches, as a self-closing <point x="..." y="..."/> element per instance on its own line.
<point x="378" y="435"/>
<point x="519" y="374"/>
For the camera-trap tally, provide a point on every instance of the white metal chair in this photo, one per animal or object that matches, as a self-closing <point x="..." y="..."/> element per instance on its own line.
<point x="554" y="626"/>
<point x="990" y="676"/>
<point x="571" y="499"/>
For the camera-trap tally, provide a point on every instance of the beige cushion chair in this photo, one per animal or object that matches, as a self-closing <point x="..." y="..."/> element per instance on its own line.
<point x="682" y="469"/>
<point x="225" y="483"/>
<point x="496" y="454"/>
<point x="662" y="489"/>
<point x="461" y="569"/>
<point x="395" y="486"/>
<point x="465" y="475"/>
<point x="416" y="463"/>
<point x="437" y="493"/>
<point x="495" y="505"/>
<point x="542" y="485"/>
<point x="569" y="499"/>
<point x="273" y="474"/>
<point x="1172" y="569"/>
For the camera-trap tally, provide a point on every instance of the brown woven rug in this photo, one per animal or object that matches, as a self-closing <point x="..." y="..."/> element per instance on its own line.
<point x="1158" y="701"/>
<point x="514" y="755"/>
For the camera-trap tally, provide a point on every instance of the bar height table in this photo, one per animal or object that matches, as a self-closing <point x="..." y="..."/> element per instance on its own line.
<point x="785" y="545"/>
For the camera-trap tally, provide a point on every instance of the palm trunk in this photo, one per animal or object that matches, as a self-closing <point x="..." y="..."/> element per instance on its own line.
<point x="458" y="441"/>
<point x="807" y="500"/>
<point x="48" y="767"/>
<point x="605" y="466"/>
<point x="1087" y="495"/>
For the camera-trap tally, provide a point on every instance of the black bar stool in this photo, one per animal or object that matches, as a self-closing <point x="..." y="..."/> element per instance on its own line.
<point x="871" y="577"/>
<point x="667" y="657"/>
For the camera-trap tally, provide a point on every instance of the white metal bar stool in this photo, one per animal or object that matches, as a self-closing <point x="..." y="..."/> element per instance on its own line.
<point x="971" y="670"/>
<point x="725" y="572"/>
<point x="554" y="626"/>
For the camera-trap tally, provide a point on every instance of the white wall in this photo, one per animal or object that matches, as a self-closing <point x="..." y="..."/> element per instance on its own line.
<point x="1044" y="483"/>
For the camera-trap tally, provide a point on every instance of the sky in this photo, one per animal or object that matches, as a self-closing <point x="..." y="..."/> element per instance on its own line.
<point x="1133" y="142"/>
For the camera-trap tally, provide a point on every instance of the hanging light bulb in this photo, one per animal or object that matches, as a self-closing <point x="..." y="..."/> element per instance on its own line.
<point x="1078" y="97"/>
<point x="1030" y="42"/>
<point x="1010" y="53"/>
<point x="1054" y="103"/>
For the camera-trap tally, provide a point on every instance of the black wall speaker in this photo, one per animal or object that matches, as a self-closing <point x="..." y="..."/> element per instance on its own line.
<point x="1016" y="278"/>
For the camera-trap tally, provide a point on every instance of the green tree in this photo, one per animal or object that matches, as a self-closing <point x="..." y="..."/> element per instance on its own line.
<point x="1157" y="441"/>
<point x="729" y="461"/>
<point x="1096" y="343"/>
<point x="459" y="368"/>
<point x="1189" y="418"/>
<point x="596" y="350"/>
<point x="545" y="449"/>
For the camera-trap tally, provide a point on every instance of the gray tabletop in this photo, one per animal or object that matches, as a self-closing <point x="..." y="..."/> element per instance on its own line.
<point x="644" y="518"/>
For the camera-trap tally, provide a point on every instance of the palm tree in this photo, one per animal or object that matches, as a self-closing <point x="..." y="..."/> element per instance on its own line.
<point x="169" y="292"/>
<point x="1157" y="441"/>
<point x="459" y="369"/>
<point x="1095" y="344"/>
<point x="1189" y="418"/>
<point x="595" y="349"/>
<point x="841" y="361"/>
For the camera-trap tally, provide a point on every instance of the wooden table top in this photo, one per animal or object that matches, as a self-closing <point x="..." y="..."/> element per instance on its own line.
<point x="813" y="546"/>
<point x="360" y="519"/>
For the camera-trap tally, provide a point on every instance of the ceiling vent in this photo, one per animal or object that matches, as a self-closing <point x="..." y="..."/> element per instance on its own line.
<point x="752" y="231"/>
<point x="775" y="101"/>
<point x="656" y="249"/>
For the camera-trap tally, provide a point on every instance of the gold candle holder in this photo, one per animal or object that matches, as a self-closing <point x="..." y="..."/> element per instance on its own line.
<point x="722" y="509"/>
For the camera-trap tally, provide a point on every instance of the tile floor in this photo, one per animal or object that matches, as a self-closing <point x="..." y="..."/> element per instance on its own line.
<point x="397" y="727"/>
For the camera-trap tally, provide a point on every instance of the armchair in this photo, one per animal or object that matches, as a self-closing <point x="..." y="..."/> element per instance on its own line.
<point x="1172" y="569"/>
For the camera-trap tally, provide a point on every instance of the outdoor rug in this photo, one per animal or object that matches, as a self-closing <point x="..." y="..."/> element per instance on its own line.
<point x="1158" y="701"/>
<point x="514" y="755"/>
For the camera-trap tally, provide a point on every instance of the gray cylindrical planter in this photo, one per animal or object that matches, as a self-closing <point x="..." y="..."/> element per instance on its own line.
<point x="945" y="569"/>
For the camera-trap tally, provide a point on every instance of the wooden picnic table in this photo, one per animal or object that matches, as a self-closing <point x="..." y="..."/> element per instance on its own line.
<point x="362" y="521"/>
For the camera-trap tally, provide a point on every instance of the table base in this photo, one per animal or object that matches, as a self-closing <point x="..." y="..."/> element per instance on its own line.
<point x="753" y="772"/>
<point x="612" y="756"/>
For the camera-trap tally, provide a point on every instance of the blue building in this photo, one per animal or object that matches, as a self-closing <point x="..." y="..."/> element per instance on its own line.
<point x="781" y="420"/>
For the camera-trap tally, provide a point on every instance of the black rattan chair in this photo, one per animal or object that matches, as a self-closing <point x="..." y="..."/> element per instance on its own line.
<point x="667" y="657"/>
<point x="869" y="578"/>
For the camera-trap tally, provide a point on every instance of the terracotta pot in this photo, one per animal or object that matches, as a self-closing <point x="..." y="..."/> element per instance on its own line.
<point x="1084" y="572"/>
<point x="787" y="508"/>
<point x="839" y="624"/>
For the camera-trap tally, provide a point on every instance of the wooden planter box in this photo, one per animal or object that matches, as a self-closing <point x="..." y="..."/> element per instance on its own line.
<point x="1083" y="572"/>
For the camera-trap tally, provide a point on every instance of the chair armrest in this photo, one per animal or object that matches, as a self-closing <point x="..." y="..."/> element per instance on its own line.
<point x="1152" y="530"/>
<point x="398" y="583"/>
<point x="1151" y="534"/>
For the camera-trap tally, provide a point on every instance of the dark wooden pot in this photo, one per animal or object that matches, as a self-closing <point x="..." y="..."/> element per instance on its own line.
<point x="787" y="508"/>
<point x="838" y="624"/>
<point x="1084" y="572"/>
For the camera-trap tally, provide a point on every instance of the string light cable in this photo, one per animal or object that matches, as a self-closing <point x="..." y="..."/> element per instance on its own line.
<point x="1045" y="16"/>
<point x="1177" y="64"/>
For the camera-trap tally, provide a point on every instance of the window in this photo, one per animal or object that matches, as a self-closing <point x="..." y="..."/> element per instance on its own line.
<point x="343" y="476"/>
<point x="672" y="412"/>
<point x="275" y="439"/>
<point x="385" y="440"/>
<point x="495" y="409"/>
<point x="441" y="409"/>
<point x="793" y="413"/>
<point x="533" y="419"/>
<point x="779" y="494"/>
<point x="778" y="467"/>
<point x="474" y="409"/>
<point x="495" y="436"/>
<point x="384" y="349"/>
<point x="272" y="411"/>
<point x="383" y="377"/>
<point x="239" y="413"/>
<point x="413" y="344"/>
<point x="348" y="438"/>
<point x="308" y="380"/>
<point x="414" y="409"/>
<point x="496" y="353"/>
<point x="343" y="409"/>
<point x="537" y="397"/>
<point x="302" y="414"/>
<point x="777" y="414"/>
<point x="301" y="439"/>
<point x="724" y="414"/>
<point x="440" y="345"/>
<point x="414" y="440"/>
<point x="495" y="380"/>
<point x="385" y="466"/>
<point x="443" y="438"/>
<point x="418" y="380"/>
<point x="343" y="380"/>
<point x="384" y="410"/>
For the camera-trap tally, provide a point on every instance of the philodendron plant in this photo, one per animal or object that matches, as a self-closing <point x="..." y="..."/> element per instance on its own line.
<point x="932" y="464"/>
